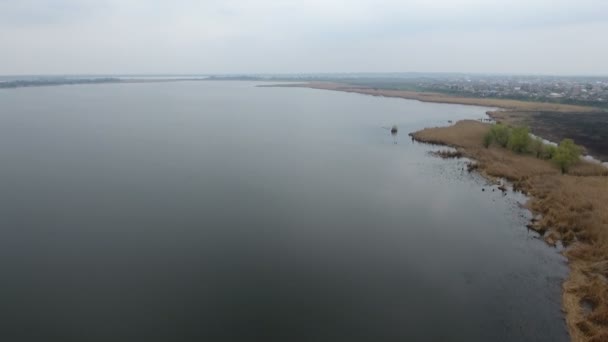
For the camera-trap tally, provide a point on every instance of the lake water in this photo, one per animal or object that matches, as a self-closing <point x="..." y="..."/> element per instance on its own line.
<point x="208" y="211"/>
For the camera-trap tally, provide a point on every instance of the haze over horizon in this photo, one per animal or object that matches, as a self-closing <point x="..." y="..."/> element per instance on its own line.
<point x="230" y="37"/>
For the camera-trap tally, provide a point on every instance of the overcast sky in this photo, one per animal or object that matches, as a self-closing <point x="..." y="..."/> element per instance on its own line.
<point x="291" y="36"/>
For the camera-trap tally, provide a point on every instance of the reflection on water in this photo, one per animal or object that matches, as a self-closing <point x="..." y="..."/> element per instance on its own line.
<point x="221" y="211"/>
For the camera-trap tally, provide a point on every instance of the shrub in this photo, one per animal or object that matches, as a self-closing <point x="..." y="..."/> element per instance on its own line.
<point x="566" y="154"/>
<point x="536" y="147"/>
<point x="548" y="152"/>
<point x="519" y="140"/>
<point x="500" y="134"/>
<point x="487" y="139"/>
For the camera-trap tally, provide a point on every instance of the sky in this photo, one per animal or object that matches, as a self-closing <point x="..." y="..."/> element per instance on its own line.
<point x="563" y="37"/>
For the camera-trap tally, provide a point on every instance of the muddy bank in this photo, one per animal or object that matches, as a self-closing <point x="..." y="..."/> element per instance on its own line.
<point x="568" y="208"/>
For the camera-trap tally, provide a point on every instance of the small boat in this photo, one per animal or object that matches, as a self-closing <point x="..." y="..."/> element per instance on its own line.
<point x="394" y="130"/>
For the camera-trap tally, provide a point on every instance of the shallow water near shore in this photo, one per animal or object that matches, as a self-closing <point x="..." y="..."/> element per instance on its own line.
<point x="223" y="211"/>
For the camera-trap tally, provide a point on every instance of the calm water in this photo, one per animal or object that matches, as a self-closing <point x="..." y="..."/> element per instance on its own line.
<point x="208" y="211"/>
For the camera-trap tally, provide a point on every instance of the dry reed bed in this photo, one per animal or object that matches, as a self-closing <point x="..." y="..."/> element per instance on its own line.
<point x="572" y="208"/>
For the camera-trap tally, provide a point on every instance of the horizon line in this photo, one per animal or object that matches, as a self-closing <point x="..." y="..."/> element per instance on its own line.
<point x="236" y="74"/>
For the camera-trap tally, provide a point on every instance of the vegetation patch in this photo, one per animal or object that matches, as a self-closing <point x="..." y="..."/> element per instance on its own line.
<point x="589" y="129"/>
<point x="518" y="140"/>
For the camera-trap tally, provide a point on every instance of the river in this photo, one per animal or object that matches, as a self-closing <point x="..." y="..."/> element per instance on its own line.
<point x="211" y="210"/>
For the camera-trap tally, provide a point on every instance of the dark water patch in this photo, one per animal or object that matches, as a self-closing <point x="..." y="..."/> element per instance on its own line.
<point x="222" y="211"/>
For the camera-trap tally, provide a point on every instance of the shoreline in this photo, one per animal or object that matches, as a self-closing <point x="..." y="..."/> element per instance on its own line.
<point x="571" y="209"/>
<point x="506" y="104"/>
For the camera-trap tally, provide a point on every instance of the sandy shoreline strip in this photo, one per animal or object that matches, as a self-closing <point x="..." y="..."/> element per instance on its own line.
<point x="507" y="104"/>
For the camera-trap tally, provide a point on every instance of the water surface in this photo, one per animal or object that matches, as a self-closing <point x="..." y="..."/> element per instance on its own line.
<point x="207" y="211"/>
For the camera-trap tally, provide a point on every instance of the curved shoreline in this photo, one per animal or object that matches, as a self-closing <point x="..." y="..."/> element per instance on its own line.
<point x="571" y="208"/>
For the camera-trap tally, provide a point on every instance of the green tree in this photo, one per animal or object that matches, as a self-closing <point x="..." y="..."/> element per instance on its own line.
<point x="519" y="140"/>
<point x="500" y="134"/>
<point x="566" y="154"/>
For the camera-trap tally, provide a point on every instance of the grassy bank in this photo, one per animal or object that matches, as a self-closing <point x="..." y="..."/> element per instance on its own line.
<point x="570" y="207"/>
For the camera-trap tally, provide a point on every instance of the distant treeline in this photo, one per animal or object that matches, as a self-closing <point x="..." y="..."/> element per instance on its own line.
<point x="56" y="81"/>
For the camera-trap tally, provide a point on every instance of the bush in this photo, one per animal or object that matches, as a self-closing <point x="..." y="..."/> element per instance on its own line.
<point x="536" y="147"/>
<point x="500" y="134"/>
<point x="487" y="139"/>
<point x="566" y="154"/>
<point x="548" y="152"/>
<point x="519" y="140"/>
